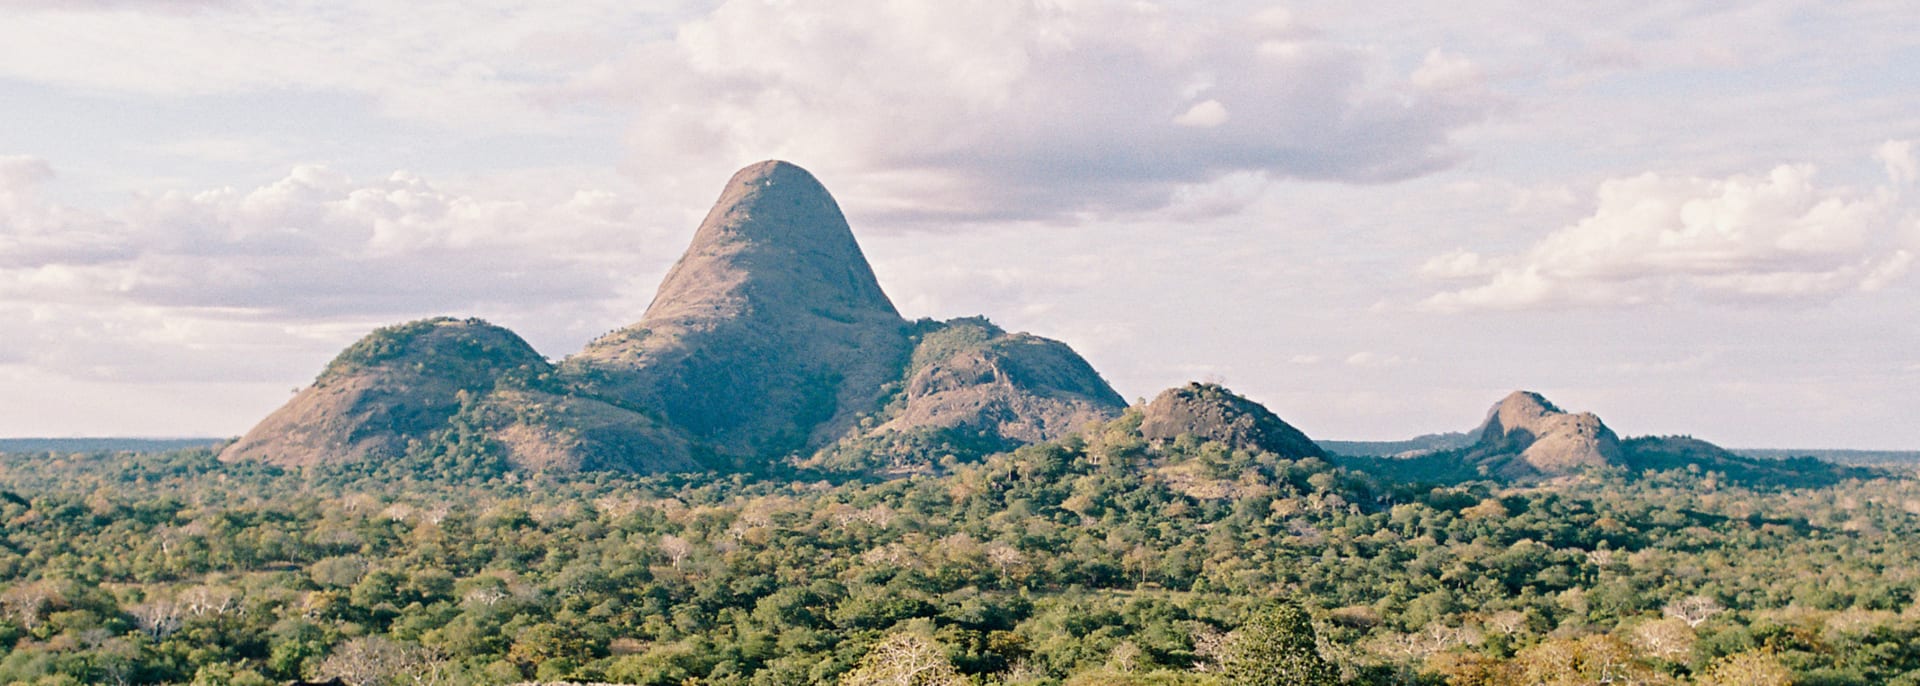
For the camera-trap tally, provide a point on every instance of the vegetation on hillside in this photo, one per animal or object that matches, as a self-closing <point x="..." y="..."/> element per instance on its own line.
<point x="1095" y="560"/>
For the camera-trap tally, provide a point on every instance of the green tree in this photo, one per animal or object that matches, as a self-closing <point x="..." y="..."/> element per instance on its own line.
<point x="1277" y="648"/>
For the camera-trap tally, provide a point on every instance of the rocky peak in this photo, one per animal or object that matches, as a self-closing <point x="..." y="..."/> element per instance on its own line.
<point x="1210" y="412"/>
<point x="774" y="245"/>
<point x="1546" y="439"/>
<point x="769" y="335"/>
<point x="398" y="383"/>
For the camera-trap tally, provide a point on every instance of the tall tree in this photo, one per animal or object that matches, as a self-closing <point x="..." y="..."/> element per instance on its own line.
<point x="1277" y="647"/>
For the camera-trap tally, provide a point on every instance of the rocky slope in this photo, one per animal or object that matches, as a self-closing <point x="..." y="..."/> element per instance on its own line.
<point x="971" y="387"/>
<point x="1526" y="439"/>
<point x="768" y="336"/>
<point x="1210" y="412"/>
<point x="399" y="383"/>
<point x="1524" y="435"/>
<point x="769" y="339"/>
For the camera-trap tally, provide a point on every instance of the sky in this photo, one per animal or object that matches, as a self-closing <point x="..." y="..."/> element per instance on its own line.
<point x="1689" y="217"/>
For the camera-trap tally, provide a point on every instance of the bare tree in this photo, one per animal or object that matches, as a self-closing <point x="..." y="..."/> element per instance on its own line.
<point x="159" y="618"/>
<point x="904" y="659"/>
<point x="377" y="661"/>
<point x="26" y="602"/>
<point x="1694" y="609"/>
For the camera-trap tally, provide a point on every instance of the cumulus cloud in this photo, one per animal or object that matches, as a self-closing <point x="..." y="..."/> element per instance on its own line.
<point x="1653" y="238"/>
<point x="987" y="110"/>
<point x="1011" y="108"/>
<point x="146" y="288"/>
<point x="1898" y="157"/>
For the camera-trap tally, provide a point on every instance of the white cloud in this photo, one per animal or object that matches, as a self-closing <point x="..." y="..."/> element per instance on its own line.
<point x="1205" y="115"/>
<point x="1654" y="238"/>
<point x="178" y="283"/>
<point x="480" y="66"/>
<point x="1373" y="360"/>
<point x="1004" y="108"/>
<point x="1902" y="168"/>
<point x="1442" y="70"/>
<point x="1018" y="109"/>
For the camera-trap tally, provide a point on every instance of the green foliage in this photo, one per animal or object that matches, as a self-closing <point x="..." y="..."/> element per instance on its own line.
<point x="1097" y="560"/>
<point x="1277" y="648"/>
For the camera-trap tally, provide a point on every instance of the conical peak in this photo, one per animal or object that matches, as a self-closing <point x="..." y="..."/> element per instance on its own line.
<point x="775" y="201"/>
<point x="1527" y="403"/>
<point x="774" y="242"/>
<point x="1523" y="410"/>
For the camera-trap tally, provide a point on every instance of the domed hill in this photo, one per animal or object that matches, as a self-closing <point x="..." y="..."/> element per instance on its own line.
<point x="970" y="386"/>
<point x="1210" y="412"/>
<point x="1526" y="438"/>
<point x="769" y="335"/>
<point x="398" y="383"/>
<point x="1524" y="435"/>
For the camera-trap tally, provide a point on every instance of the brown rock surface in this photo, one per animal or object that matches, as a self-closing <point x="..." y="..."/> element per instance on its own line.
<point x="769" y="335"/>
<point x="547" y="432"/>
<point x="1544" y="439"/>
<point x="1212" y="413"/>
<point x="398" y="383"/>
<point x="1018" y="388"/>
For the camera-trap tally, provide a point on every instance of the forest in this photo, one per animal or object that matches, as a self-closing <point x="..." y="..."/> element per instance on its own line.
<point x="1098" y="559"/>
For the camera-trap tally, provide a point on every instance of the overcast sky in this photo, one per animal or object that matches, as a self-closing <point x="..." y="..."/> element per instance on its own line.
<point x="1377" y="218"/>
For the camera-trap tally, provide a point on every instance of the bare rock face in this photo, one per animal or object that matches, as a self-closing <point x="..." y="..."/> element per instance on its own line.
<point x="546" y="432"/>
<point x="1544" y="439"/>
<point x="1210" y="412"/>
<point x="1018" y="388"/>
<point x="771" y="333"/>
<point x="398" y="383"/>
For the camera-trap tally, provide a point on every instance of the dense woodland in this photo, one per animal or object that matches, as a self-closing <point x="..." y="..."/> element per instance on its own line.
<point x="1096" y="560"/>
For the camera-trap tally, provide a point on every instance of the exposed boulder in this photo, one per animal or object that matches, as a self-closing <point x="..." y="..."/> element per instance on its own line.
<point x="1210" y="412"/>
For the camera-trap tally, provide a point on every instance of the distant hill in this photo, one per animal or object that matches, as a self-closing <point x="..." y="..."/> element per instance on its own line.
<point x="103" y="445"/>
<point x="768" y="344"/>
<point x="1853" y="457"/>
<point x="1426" y="443"/>
<point x="1525" y="438"/>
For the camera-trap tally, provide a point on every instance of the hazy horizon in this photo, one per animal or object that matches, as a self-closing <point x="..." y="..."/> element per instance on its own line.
<point x="1691" y="219"/>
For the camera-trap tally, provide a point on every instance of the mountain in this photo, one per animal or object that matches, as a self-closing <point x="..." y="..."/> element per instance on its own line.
<point x="104" y="445"/>
<point x="397" y="384"/>
<point x="769" y="339"/>
<point x="970" y="387"/>
<point x="1210" y="412"/>
<point x="1412" y="447"/>
<point x="1525" y="438"/>
<point x="768" y="336"/>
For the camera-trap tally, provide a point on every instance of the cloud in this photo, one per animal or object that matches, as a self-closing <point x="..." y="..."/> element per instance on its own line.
<point x="145" y="289"/>
<point x="1014" y="109"/>
<point x="1898" y="157"/>
<point x="1654" y="238"/>
<point x="1373" y="360"/>
<point x="478" y="67"/>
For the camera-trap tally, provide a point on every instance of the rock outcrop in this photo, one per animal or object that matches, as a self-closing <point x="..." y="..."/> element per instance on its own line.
<point x="397" y="384"/>
<point x="547" y="432"/>
<point x="768" y="336"/>
<point x="1526" y="435"/>
<point x="1210" y="412"/>
<point x="970" y="375"/>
